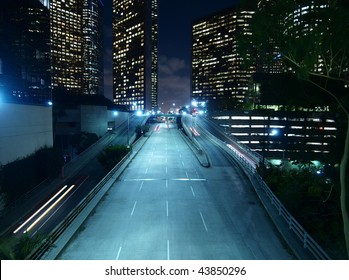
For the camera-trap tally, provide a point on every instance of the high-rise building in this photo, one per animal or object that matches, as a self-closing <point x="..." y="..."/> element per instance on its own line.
<point x="92" y="43"/>
<point x="304" y="18"/>
<point x="218" y="73"/>
<point x="25" y="51"/>
<point x="77" y="46"/>
<point x="135" y="54"/>
<point x="299" y="23"/>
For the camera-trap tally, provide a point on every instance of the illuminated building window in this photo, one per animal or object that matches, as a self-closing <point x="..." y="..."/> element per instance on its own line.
<point x="135" y="57"/>
<point x="217" y="72"/>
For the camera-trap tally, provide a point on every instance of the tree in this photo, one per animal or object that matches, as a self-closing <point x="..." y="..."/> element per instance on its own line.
<point x="314" y="43"/>
<point x="112" y="155"/>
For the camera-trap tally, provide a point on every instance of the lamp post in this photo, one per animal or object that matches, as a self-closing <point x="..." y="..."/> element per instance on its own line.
<point x="266" y="145"/>
<point x="134" y="104"/>
<point x="128" y="130"/>
<point x="115" y="113"/>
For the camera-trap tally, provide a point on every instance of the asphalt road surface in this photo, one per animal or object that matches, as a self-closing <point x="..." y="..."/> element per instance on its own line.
<point x="165" y="205"/>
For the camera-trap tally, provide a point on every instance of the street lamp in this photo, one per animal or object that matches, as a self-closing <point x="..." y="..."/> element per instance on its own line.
<point x="128" y="130"/>
<point x="115" y="113"/>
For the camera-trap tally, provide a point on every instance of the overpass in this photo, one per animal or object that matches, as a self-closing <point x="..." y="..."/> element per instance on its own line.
<point x="164" y="203"/>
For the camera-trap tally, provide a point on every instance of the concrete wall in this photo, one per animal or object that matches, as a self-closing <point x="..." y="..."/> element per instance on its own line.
<point x="23" y="130"/>
<point x="117" y="119"/>
<point x="94" y="119"/>
<point x="89" y="118"/>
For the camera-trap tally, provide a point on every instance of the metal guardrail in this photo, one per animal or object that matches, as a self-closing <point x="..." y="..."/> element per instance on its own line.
<point x="47" y="243"/>
<point x="308" y="242"/>
<point x="56" y="233"/>
<point x="243" y="146"/>
<point x="37" y="188"/>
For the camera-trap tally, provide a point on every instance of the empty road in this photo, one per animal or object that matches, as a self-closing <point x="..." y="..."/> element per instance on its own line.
<point x="165" y="205"/>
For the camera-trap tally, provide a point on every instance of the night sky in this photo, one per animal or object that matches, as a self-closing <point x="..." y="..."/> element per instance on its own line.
<point x="175" y="22"/>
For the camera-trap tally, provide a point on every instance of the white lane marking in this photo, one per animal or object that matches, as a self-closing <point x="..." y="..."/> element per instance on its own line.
<point x="166" y="184"/>
<point x="192" y="190"/>
<point x="166" y="169"/>
<point x="146" y="170"/>
<point x="141" y="186"/>
<point x="134" y="207"/>
<point x="167" y="208"/>
<point x="118" y="255"/>
<point x="203" y="221"/>
<point x="186" y="173"/>
<point x="168" y="249"/>
<point x="183" y="163"/>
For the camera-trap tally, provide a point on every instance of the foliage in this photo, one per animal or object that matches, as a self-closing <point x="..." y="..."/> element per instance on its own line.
<point x="20" y="176"/>
<point x="6" y="249"/>
<point x="314" y="44"/>
<point x="141" y="130"/>
<point x="83" y="140"/>
<point x="112" y="155"/>
<point x="19" y="248"/>
<point x="26" y="245"/>
<point x="319" y="34"/>
<point x="313" y="201"/>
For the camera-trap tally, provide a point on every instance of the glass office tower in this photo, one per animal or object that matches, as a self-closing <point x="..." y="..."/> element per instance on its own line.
<point x="25" y="51"/>
<point x="135" y="54"/>
<point x="76" y="37"/>
<point x="218" y="74"/>
<point x="92" y="51"/>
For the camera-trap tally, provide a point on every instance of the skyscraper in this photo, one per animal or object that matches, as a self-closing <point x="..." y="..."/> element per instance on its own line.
<point x="135" y="56"/>
<point x="92" y="51"/>
<point x="218" y="74"/>
<point x="25" y="51"/>
<point x="76" y="50"/>
<point x="301" y="19"/>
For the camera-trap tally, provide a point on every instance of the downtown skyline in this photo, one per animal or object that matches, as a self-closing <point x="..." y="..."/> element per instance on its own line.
<point x="174" y="47"/>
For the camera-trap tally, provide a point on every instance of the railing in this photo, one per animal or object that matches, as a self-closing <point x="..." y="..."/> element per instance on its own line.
<point x="307" y="241"/>
<point x="82" y="156"/>
<point x="56" y="233"/>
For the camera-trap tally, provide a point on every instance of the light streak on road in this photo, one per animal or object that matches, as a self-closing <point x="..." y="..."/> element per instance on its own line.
<point x="49" y="209"/>
<point x="42" y="207"/>
<point x="194" y="131"/>
<point x="245" y="156"/>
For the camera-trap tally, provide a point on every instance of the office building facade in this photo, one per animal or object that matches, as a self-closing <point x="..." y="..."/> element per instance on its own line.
<point x="218" y="74"/>
<point x="92" y="51"/>
<point x="25" y="52"/>
<point x="283" y="135"/>
<point x="76" y="50"/>
<point x="135" y="54"/>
